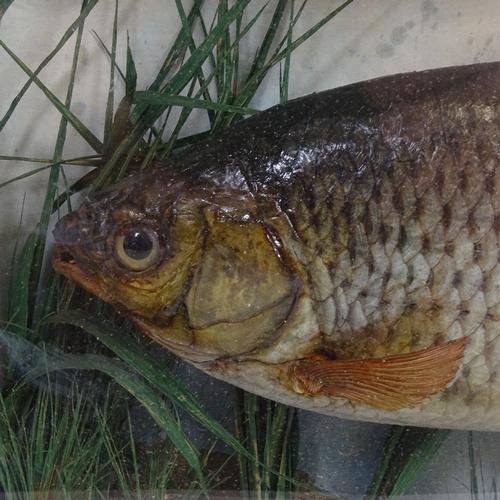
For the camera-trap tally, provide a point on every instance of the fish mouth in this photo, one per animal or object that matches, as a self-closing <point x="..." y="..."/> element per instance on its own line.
<point x="64" y="262"/>
<point x="62" y="257"/>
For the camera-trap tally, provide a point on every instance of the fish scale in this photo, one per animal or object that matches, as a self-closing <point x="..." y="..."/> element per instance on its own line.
<point x="470" y="217"/>
<point x="339" y="253"/>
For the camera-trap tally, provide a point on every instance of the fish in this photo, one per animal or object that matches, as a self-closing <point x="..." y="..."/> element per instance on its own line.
<point x="338" y="252"/>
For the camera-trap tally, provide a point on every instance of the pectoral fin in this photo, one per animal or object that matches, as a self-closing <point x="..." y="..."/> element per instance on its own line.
<point x="390" y="383"/>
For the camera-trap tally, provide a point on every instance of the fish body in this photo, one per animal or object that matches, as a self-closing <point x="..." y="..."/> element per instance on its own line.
<point x="338" y="253"/>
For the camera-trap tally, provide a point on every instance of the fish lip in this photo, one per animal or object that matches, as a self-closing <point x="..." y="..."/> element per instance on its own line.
<point x="62" y="259"/>
<point x="62" y="255"/>
<point x="66" y="264"/>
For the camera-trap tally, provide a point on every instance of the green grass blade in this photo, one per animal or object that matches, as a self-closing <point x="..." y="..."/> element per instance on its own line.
<point x="407" y="453"/>
<point x="121" y="124"/>
<point x="18" y="308"/>
<point x="239" y="430"/>
<point x="478" y="487"/>
<point x="108" y="117"/>
<point x="161" y="99"/>
<point x="250" y="403"/>
<point x="109" y="53"/>
<point x="263" y="52"/>
<point x="288" y="58"/>
<point x="276" y="449"/>
<point x="230" y="58"/>
<point x="67" y="35"/>
<point x="24" y="176"/>
<point x="24" y="158"/>
<point x="474" y="482"/>
<point x="4" y="5"/>
<point x="376" y="487"/>
<point x="223" y="69"/>
<point x="85" y="132"/>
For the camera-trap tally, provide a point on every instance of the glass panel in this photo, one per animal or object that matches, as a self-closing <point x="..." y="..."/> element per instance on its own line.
<point x="329" y="255"/>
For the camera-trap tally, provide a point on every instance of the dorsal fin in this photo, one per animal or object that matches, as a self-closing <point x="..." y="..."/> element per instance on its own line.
<point x="389" y="383"/>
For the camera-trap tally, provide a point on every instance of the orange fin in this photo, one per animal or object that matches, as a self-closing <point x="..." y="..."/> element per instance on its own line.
<point x="390" y="383"/>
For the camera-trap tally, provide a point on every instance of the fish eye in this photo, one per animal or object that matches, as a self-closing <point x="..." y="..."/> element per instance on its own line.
<point x="137" y="247"/>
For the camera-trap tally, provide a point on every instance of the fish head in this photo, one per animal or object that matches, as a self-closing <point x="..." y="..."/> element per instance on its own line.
<point x="195" y="268"/>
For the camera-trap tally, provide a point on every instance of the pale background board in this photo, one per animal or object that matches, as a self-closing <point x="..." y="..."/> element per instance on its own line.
<point x="369" y="39"/>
